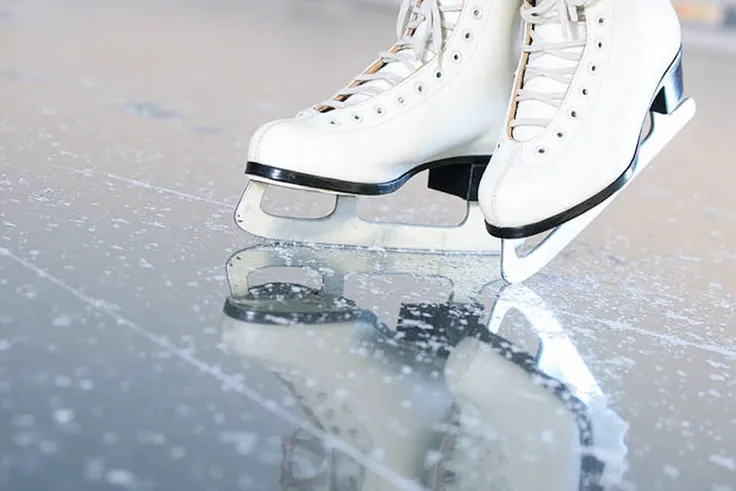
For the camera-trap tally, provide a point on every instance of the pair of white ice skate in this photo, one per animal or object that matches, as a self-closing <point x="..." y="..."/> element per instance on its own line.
<point x="593" y="75"/>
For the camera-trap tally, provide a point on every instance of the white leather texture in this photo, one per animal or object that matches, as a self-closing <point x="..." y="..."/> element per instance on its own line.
<point x="640" y="39"/>
<point x="460" y="113"/>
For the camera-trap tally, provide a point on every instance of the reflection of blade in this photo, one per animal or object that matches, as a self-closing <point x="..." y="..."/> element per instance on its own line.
<point x="560" y="359"/>
<point x="467" y="275"/>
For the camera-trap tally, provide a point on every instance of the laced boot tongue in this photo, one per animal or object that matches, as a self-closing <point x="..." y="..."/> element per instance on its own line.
<point x="541" y="94"/>
<point x="410" y="47"/>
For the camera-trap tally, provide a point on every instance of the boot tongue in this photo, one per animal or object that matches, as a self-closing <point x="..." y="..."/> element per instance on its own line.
<point x="533" y="109"/>
<point x="401" y="69"/>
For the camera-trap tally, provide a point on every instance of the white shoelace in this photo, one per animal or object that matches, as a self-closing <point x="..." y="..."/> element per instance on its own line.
<point x="419" y="30"/>
<point x="557" y="40"/>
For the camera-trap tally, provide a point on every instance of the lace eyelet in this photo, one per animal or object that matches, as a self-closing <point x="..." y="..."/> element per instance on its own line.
<point x="357" y="117"/>
<point x="561" y="135"/>
<point x="584" y="91"/>
<point x="419" y="88"/>
<point x="541" y="151"/>
<point x="574" y="114"/>
<point x="380" y="110"/>
<point x="333" y="122"/>
<point x="400" y="101"/>
<point x="438" y="75"/>
<point x="593" y="68"/>
<point x="600" y="44"/>
<point x="477" y="13"/>
<point x="601" y="21"/>
<point x="468" y="36"/>
<point x="457" y="57"/>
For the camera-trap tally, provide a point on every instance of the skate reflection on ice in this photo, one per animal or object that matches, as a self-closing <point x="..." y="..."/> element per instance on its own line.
<point x="442" y="396"/>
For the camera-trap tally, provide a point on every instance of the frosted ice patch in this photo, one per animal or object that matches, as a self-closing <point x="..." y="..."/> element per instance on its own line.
<point x="64" y="416"/>
<point x="724" y="461"/>
<point x="121" y="477"/>
<point x="245" y="442"/>
<point x="62" y="321"/>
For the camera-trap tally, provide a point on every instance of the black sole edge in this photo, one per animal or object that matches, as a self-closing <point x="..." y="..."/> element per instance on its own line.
<point x="307" y="181"/>
<point x="656" y="105"/>
<point x="566" y="216"/>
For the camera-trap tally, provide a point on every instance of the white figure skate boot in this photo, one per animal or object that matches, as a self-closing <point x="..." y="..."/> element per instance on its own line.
<point x="435" y="101"/>
<point x="591" y="73"/>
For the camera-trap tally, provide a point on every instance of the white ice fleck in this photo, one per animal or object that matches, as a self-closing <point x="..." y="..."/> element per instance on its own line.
<point x="121" y="477"/>
<point x="145" y="264"/>
<point x="245" y="442"/>
<point x="178" y="453"/>
<point x="723" y="461"/>
<point x="27" y="291"/>
<point x="86" y="384"/>
<point x="432" y="458"/>
<point x="64" y="416"/>
<point x="62" y="321"/>
<point x="691" y="259"/>
<point x="341" y="393"/>
<point x="716" y="364"/>
<point x="671" y="471"/>
<point x="548" y="437"/>
<point x="62" y="381"/>
<point x="378" y="454"/>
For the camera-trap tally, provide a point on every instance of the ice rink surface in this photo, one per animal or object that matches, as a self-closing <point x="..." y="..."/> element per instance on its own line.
<point x="123" y="133"/>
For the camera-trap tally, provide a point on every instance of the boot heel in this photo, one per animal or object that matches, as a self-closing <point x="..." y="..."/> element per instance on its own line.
<point x="671" y="91"/>
<point x="459" y="179"/>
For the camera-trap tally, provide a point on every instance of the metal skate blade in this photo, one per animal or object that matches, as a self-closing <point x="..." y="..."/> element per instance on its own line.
<point x="516" y="268"/>
<point x="326" y="268"/>
<point x="343" y="227"/>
